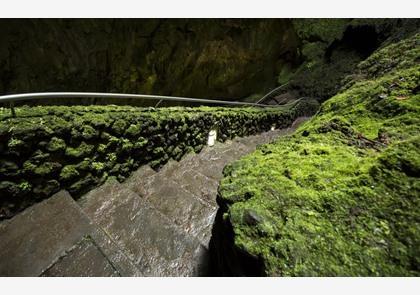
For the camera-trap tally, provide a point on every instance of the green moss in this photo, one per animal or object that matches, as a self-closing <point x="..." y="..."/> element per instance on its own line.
<point x="25" y="187"/>
<point x="126" y="145"/>
<point x="69" y="172"/>
<point x="47" y="188"/>
<point x="341" y="196"/>
<point x="314" y="51"/>
<point x="133" y="130"/>
<point x="326" y="30"/>
<point x="12" y="189"/>
<point x="81" y="185"/>
<point x="47" y="168"/>
<point x="98" y="166"/>
<point x="56" y="144"/>
<point x="102" y="148"/>
<point x="89" y="132"/>
<point x="15" y="144"/>
<point x="81" y="151"/>
<point x="140" y="142"/>
<point x="112" y="157"/>
<point x="119" y="126"/>
<point x="8" y="168"/>
<point x="400" y="55"/>
<point x="84" y="165"/>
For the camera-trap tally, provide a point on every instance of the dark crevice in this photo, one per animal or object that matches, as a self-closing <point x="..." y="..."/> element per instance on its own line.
<point x="225" y="258"/>
<point x="361" y="39"/>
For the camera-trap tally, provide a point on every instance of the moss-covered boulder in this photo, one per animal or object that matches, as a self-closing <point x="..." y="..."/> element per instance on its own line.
<point x="341" y="197"/>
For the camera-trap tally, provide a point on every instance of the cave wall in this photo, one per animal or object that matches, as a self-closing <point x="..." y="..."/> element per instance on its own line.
<point x="330" y="49"/>
<point x="211" y="58"/>
<point x="237" y="59"/>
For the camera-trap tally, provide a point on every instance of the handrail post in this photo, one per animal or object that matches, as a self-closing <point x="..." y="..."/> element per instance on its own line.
<point x="12" y="109"/>
<point x="158" y="103"/>
<point x="271" y="92"/>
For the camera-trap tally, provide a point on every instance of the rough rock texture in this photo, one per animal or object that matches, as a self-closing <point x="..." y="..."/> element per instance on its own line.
<point x="341" y="197"/>
<point x="220" y="58"/>
<point x="45" y="149"/>
<point x="207" y="58"/>
<point x="330" y="49"/>
<point x="154" y="224"/>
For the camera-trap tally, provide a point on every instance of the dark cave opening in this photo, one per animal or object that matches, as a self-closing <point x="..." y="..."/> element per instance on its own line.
<point x="360" y="39"/>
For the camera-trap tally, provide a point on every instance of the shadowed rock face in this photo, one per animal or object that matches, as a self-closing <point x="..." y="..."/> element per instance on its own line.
<point x="200" y="58"/>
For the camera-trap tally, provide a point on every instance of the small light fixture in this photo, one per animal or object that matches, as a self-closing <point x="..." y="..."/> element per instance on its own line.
<point x="273" y="127"/>
<point x="212" y="138"/>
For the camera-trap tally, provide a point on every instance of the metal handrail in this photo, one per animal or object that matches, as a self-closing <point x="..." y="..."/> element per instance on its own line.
<point x="271" y="92"/>
<point x="31" y="96"/>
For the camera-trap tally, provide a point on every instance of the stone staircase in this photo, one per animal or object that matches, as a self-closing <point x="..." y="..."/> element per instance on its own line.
<point x="153" y="224"/>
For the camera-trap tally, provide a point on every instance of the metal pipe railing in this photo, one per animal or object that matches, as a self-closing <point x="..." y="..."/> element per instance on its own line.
<point x="40" y="95"/>
<point x="271" y="93"/>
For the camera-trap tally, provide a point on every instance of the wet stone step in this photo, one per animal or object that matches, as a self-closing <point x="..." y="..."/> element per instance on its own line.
<point x="34" y="240"/>
<point x="184" y="209"/>
<point x="140" y="179"/>
<point x="84" y="260"/>
<point x="212" y="165"/>
<point x="250" y="141"/>
<point x="152" y="241"/>
<point x="198" y="184"/>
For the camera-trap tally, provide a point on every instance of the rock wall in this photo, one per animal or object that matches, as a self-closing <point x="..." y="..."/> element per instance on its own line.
<point x="330" y="49"/>
<point x="239" y="59"/>
<point x="209" y="58"/>
<point x="45" y="149"/>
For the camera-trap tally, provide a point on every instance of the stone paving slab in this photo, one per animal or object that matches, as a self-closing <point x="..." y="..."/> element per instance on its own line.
<point x="139" y="180"/>
<point x="84" y="260"/>
<point x="35" y="239"/>
<point x="151" y="240"/>
<point x="198" y="184"/>
<point x="32" y="240"/>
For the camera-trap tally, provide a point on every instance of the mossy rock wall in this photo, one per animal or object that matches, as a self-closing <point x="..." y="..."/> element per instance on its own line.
<point x="330" y="49"/>
<point x="45" y="149"/>
<point x="340" y="197"/>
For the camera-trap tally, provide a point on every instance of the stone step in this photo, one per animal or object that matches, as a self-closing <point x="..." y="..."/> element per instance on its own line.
<point x="48" y="239"/>
<point x="186" y="198"/>
<point x="251" y="141"/>
<point x="186" y="191"/>
<point x="84" y="260"/>
<point x="197" y="184"/>
<point x="194" y="215"/>
<point x="139" y="179"/>
<point x="212" y="162"/>
<point x="152" y="241"/>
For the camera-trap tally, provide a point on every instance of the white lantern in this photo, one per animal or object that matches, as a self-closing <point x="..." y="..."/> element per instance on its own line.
<point x="212" y="138"/>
